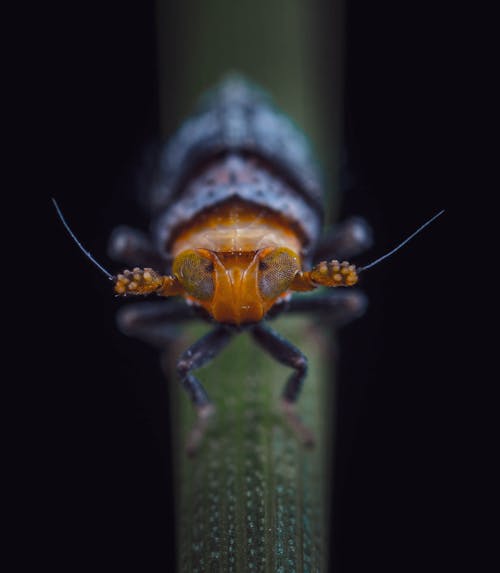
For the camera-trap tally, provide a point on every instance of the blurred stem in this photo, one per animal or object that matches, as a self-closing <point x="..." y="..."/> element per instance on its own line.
<point x="253" y="498"/>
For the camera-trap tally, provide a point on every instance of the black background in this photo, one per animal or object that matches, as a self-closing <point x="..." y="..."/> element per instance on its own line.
<point x="104" y="461"/>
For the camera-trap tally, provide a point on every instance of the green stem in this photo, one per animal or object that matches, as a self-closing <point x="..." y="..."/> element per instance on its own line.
<point x="253" y="499"/>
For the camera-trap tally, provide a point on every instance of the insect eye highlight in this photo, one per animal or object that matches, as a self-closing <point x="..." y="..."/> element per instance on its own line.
<point x="195" y="273"/>
<point x="276" y="272"/>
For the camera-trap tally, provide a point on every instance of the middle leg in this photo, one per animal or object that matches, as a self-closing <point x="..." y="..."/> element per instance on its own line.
<point x="154" y="322"/>
<point x="337" y="307"/>
<point x="345" y="240"/>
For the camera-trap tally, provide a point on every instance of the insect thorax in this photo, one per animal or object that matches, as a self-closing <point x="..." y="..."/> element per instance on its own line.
<point x="237" y="146"/>
<point x="238" y="203"/>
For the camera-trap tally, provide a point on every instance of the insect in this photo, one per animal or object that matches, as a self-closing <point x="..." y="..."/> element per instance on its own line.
<point x="237" y="214"/>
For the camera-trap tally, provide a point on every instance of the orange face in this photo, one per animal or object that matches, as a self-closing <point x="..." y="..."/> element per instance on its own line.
<point x="236" y="287"/>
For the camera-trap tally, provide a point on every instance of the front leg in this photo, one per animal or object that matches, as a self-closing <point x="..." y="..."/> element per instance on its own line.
<point x="199" y="354"/>
<point x="146" y="281"/>
<point x="289" y="355"/>
<point x="328" y="274"/>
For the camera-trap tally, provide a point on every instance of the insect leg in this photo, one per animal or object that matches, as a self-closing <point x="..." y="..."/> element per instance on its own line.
<point x="196" y="356"/>
<point x="345" y="240"/>
<point x="133" y="247"/>
<point x="289" y="355"/>
<point x="153" y="322"/>
<point x="337" y="307"/>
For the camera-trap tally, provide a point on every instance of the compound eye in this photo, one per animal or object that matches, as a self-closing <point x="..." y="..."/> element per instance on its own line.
<point x="195" y="273"/>
<point x="276" y="272"/>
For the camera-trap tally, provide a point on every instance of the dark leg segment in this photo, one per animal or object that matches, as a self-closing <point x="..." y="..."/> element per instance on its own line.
<point x="153" y="322"/>
<point x="345" y="240"/>
<point x="196" y="356"/>
<point x="133" y="247"/>
<point x="286" y="353"/>
<point x="337" y="307"/>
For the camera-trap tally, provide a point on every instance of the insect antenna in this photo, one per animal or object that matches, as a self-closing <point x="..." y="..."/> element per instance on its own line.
<point x="402" y="244"/>
<point x="73" y="236"/>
